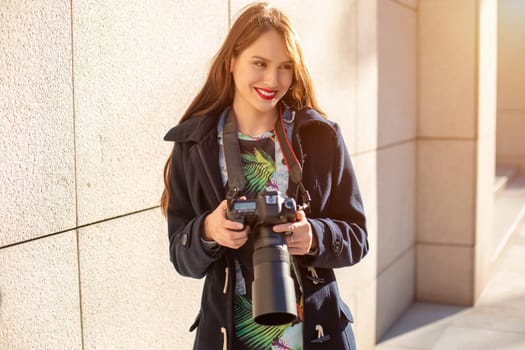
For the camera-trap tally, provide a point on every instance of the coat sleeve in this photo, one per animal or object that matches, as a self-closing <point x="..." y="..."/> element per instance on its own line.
<point x="339" y="224"/>
<point x="187" y="252"/>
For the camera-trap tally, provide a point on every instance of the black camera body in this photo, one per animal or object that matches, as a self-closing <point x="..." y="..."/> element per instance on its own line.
<point x="268" y="208"/>
<point x="273" y="291"/>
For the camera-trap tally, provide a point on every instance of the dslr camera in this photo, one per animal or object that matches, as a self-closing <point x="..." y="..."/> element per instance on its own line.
<point x="273" y="292"/>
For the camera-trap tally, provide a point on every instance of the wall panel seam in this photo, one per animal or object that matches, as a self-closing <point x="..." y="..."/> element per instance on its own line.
<point x="511" y="110"/>
<point x="445" y="244"/>
<point x="397" y="259"/>
<point x="477" y="121"/>
<point x="416" y="152"/>
<point x="229" y="14"/>
<point x="402" y="4"/>
<point x="445" y="138"/>
<point x="384" y="147"/>
<point x="79" y="279"/>
<point x="79" y="227"/>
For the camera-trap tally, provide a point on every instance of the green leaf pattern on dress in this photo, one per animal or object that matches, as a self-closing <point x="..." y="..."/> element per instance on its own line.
<point x="258" y="168"/>
<point x="255" y="336"/>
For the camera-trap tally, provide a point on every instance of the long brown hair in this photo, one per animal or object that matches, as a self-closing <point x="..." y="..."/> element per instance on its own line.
<point x="218" y="90"/>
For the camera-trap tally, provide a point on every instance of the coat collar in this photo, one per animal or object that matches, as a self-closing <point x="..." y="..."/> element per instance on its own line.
<point x="194" y="129"/>
<point x="199" y="128"/>
<point x="310" y="117"/>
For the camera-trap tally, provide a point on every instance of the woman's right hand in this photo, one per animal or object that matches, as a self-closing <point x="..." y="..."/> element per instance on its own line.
<point x="227" y="233"/>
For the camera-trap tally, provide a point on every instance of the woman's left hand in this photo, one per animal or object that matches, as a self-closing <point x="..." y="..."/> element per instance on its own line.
<point x="301" y="240"/>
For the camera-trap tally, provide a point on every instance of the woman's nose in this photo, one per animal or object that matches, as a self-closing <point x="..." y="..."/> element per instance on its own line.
<point x="272" y="78"/>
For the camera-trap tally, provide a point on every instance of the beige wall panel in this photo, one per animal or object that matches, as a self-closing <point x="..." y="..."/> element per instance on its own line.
<point x="487" y="67"/>
<point x="396" y="202"/>
<point x="351" y="279"/>
<point x="132" y="297"/>
<point x="328" y="38"/>
<point x="511" y="136"/>
<point x="513" y="160"/>
<point x="397" y="73"/>
<point x="386" y="180"/>
<point x="37" y="193"/>
<point x="354" y="277"/>
<point x="39" y="295"/>
<point x="137" y="66"/>
<point x="445" y="274"/>
<point x="365" y="319"/>
<point x="484" y="211"/>
<point x="412" y="4"/>
<point x="357" y="284"/>
<point x="511" y="55"/>
<point x="445" y="191"/>
<point x="511" y="83"/>
<point x="395" y="291"/>
<point x="447" y="68"/>
<point x="367" y="75"/>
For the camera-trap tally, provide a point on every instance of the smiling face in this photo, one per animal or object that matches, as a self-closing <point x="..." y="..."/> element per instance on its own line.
<point x="262" y="74"/>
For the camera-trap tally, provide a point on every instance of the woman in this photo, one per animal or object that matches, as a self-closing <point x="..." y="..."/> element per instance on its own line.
<point x="259" y="81"/>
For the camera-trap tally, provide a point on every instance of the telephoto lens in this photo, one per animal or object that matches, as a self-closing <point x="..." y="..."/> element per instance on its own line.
<point x="273" y="291"/>
<point x="273" y="288"/>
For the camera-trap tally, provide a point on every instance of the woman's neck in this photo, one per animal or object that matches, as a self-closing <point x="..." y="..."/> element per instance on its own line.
<point x="254" y="124"/>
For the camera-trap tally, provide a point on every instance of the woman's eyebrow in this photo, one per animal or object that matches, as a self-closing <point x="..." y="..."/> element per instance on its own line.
<point x="267" y="60"/>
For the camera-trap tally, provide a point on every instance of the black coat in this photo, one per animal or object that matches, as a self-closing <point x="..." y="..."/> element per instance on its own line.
<point x="337" y="219"/>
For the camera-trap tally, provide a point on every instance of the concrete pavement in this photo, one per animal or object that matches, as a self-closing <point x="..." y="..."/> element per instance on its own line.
<point x="497" y="321"/>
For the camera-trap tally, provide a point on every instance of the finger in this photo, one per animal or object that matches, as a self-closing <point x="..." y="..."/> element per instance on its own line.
<point x="233" y="235"/>
<point x="232" y="239"/>
<point x="223" y="205"/>
<point x="234" y="225"/>
<point x="239" y="234"/>
<point x="237" y="239"/>
<point x="240" y="242"/>
<point x="301" y="215"/>
<point x="279" y="228"/>
<point x="284" y="227"/>
<point x="221" y="209"/>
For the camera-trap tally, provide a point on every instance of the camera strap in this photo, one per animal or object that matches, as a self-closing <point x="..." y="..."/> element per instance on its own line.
<point x="232" y="157"/>
<point x="294" y="167"/>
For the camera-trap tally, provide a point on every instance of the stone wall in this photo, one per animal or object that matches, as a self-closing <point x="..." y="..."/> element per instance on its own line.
<point x="510" y="148"/>
<point x="88" y="89"/>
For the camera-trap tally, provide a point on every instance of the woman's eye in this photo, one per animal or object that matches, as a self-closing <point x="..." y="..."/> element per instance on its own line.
<point x="260" y="64"/>
<point x="287" y="67"/>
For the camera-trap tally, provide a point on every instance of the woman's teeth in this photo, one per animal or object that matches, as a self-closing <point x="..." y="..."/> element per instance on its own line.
<point x="266" y="94"/>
